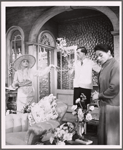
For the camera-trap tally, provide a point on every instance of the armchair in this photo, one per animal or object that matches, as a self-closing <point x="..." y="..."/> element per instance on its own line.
<point x="19" y="132"/>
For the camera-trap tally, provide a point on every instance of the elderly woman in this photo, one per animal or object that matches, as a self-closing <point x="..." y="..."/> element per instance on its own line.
<point x="108" y="96"/>
<point x="23" y="79"/>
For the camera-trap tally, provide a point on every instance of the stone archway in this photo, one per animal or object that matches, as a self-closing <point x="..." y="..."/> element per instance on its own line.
<point x="57" y="10"/>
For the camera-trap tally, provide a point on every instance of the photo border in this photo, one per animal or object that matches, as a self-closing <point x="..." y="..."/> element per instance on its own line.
<point x="3" y="63"/>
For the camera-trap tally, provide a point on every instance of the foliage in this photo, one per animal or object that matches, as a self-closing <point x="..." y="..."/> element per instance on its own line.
<point x="63" y="133"/>
<point x="61" y="45"/>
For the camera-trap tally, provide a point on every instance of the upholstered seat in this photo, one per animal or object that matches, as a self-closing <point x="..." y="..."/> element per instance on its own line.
<point x="16" y="138"/>
<point x="19" y="132"/>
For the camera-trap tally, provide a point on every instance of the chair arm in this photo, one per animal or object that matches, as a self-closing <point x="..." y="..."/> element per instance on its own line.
<point x="61" y="109"/>
<point x="38" y="129"/>
<point x="31" y="137"/>
<point x="16" y="123"/>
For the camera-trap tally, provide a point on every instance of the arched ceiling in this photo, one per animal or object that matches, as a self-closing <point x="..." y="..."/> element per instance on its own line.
<point x="75" y="14"/>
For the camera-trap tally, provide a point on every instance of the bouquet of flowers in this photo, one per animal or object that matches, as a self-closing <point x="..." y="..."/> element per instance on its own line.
<point x="27" y="107"/>
<point x="63" y="133"/>
<point x="66" y="133"/>
<point x="61" y="45"/>
<point x="83" y="113"/>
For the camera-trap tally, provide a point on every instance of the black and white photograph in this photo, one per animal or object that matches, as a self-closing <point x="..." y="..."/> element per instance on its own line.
<point x="61" y="66"/>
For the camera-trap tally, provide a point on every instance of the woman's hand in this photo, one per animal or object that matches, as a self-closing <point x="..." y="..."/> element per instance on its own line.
<point x="16" y="84"/>
<point x="95" y="95"/>
<point x="25" y="83"/>
<point x="53" y="66"/>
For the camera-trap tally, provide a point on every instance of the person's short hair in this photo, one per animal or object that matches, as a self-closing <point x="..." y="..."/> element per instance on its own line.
<point x="83" y="49"/>
<point x="103" y="47"/>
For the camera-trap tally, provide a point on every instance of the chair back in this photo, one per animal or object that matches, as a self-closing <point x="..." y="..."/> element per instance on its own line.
<point x="61" y="109"/>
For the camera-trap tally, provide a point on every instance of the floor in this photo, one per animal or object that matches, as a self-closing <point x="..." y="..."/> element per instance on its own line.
<point x="91" y="127"/>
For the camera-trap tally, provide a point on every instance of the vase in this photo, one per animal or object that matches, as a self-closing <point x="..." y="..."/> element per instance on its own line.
<point x="81" y="129"/>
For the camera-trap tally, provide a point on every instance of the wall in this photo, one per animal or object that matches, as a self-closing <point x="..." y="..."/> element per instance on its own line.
<point x="87" y="32"/>
<point x="52" y="27"/>
<point x="23" y="17"/>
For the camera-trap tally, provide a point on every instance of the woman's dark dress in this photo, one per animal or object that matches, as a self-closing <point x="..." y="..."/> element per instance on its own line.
<point x="108" y="131"/>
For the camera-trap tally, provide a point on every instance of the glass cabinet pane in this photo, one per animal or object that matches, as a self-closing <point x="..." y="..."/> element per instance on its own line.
<point x="44" y="82"/>
<point x="64" y="79"/>
<point x="15" y="52"/>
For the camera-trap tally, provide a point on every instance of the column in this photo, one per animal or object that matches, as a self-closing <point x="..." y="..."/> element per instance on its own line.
<point x="116" y="45"/>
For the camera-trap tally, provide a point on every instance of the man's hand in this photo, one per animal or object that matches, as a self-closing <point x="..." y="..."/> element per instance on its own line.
<point x="71" y="71"/>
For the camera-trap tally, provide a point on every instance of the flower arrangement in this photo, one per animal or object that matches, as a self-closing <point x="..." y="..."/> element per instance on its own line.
<point x="94" y="78"/>
<point x="83" y="113"/>
<point x="10" y="69"/>
<point x="62" y="46"/>
<point x="63" y="133"/>
<point x="27" y="107"/>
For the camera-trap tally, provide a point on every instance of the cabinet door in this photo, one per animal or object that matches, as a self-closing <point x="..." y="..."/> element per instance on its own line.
<point x="64" y="80"/>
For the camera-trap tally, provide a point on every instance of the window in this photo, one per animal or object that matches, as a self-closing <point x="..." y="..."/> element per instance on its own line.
<point x="15" y="48"/>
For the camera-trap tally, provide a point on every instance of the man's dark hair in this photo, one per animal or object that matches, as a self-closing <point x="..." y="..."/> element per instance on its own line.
<point x="83" y="49"/>
<point x="104" y="48"/>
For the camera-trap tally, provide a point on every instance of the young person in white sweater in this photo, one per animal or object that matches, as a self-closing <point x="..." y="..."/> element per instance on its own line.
<point x="83" y="75"/>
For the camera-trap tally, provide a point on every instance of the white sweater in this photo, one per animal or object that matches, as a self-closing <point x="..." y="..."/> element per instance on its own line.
<point x="83" y="73"/>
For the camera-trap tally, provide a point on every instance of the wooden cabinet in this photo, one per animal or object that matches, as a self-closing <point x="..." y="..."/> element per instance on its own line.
<point x="11" y="97"/>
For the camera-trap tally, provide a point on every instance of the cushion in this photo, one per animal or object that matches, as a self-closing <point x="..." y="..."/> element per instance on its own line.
<point x="44" y="110"/>
<point x="15" y="138"/>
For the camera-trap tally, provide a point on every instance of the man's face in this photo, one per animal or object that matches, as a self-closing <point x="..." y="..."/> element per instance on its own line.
<point x="80" y="54"/>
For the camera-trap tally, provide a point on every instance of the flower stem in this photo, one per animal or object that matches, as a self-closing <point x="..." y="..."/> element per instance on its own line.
<point x="80" y="105"/>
